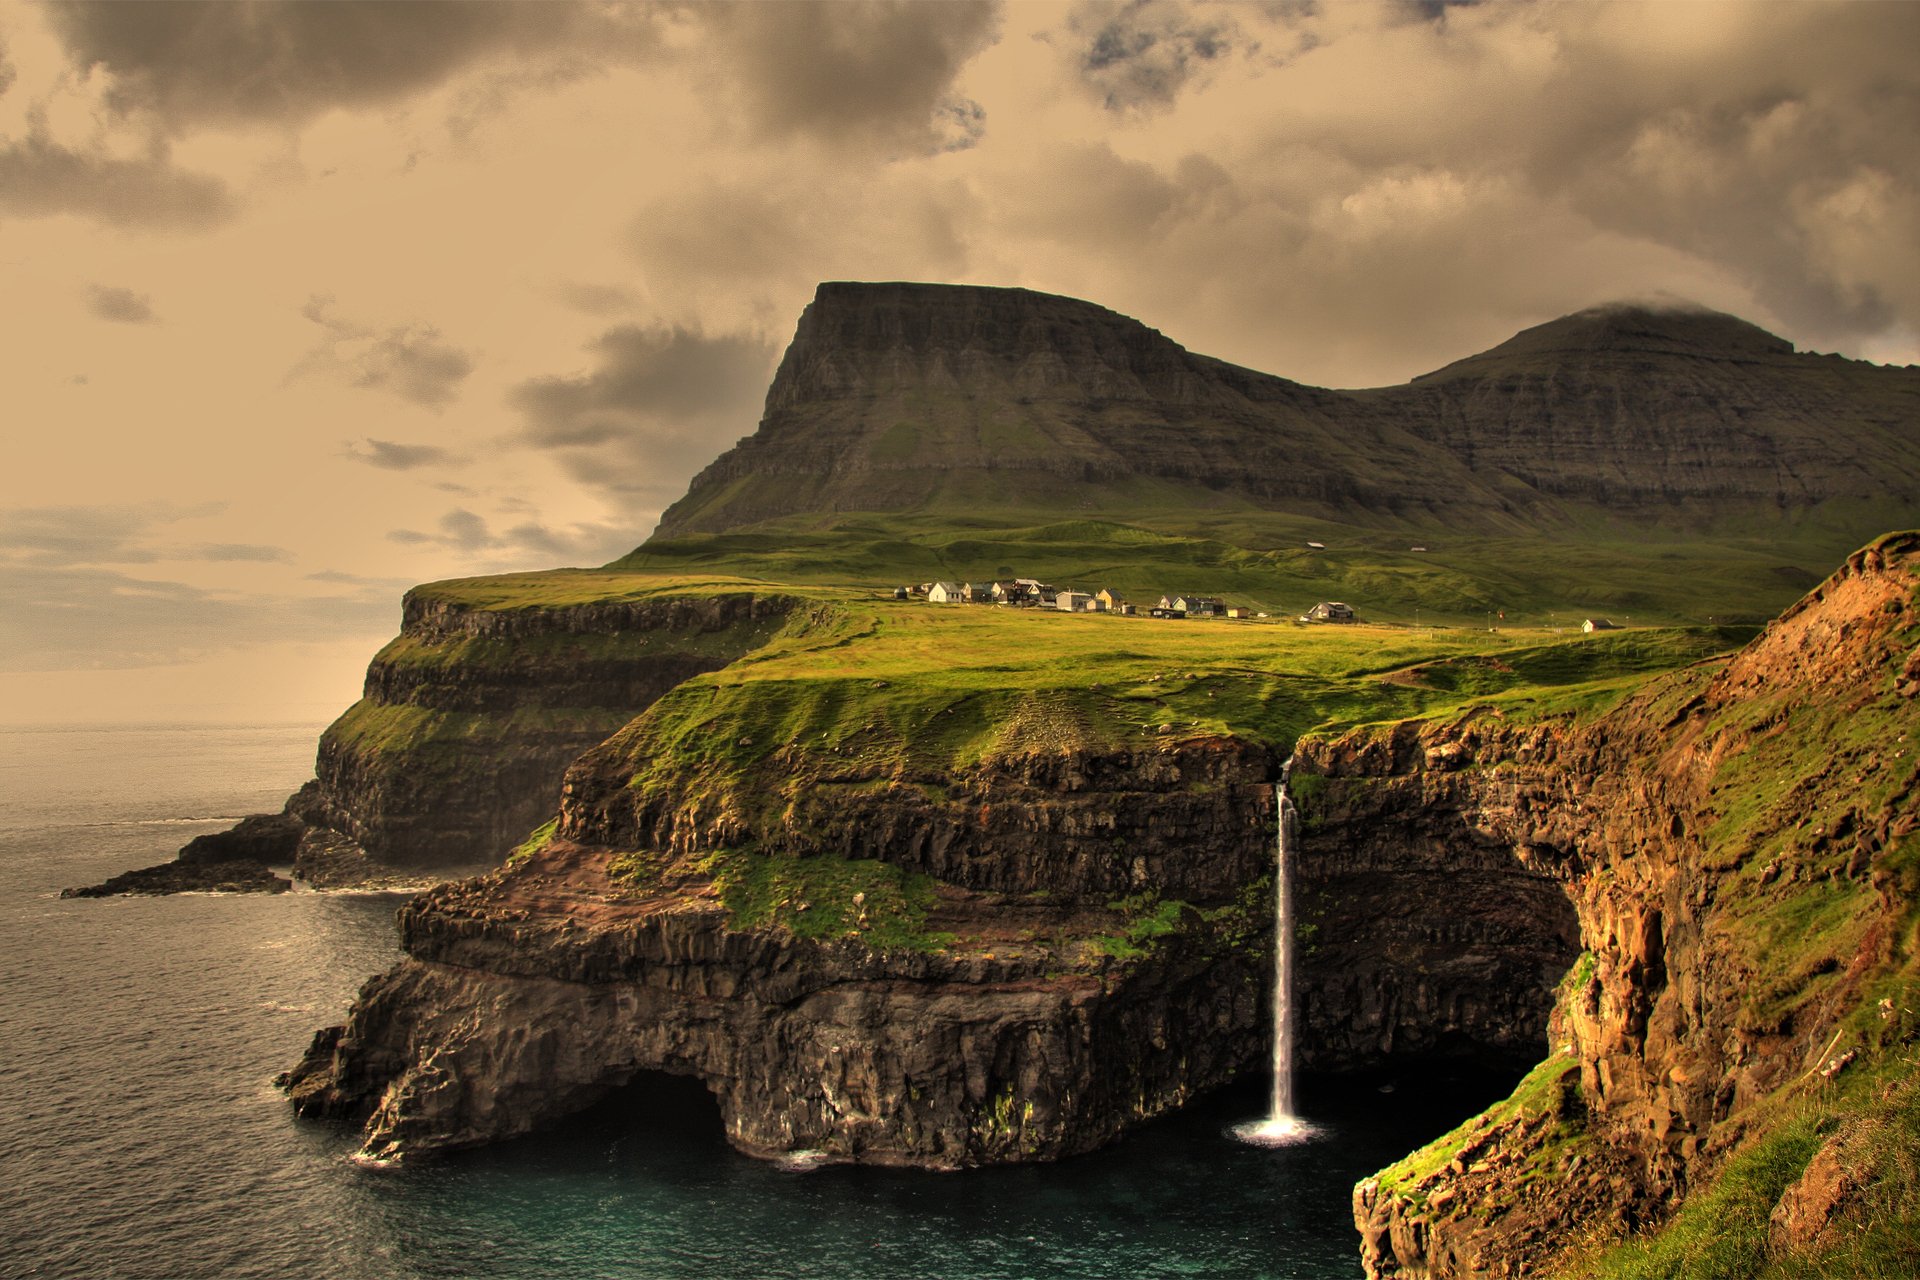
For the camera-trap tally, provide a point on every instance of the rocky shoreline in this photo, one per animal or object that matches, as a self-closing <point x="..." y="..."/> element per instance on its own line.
<point x="238" y="860"/>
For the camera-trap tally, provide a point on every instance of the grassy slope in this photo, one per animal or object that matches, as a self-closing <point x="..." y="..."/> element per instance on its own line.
<point x="1262" y="559"/>
<point x="903" y="686"/>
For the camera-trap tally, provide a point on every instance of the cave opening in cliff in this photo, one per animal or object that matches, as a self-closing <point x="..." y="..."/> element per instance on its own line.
<point x="656" y="1107"/>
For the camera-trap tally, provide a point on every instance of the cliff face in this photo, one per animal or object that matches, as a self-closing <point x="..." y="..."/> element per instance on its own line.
<point x="471" y="716"/>
<point x="932" y="398"/>
<point x="930" y="1024"/>
<point x="1417" y="943"/>
<point x="1736" y="841"/>
<point x="1190" y="820"/>
<point x="952" y="928"/>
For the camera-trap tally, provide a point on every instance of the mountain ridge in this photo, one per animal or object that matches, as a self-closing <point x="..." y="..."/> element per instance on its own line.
<point x="915" y="399"/>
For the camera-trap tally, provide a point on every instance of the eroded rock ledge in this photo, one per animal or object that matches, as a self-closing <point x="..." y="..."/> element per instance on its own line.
<point x="530" y="993"/>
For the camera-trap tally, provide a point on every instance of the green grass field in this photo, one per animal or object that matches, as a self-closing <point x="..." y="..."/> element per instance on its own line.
<point x="1262" y="560"/>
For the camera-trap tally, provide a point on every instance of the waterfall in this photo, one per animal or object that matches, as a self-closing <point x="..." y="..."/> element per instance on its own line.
<point x="1281" y="1127"/>
<point x="1282" y="1108"/>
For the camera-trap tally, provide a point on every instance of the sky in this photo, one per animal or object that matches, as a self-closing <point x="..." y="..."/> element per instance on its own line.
<point x="306" y="303"/>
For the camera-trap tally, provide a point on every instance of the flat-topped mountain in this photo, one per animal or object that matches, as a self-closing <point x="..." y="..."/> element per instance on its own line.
<point x="927" y="399"/>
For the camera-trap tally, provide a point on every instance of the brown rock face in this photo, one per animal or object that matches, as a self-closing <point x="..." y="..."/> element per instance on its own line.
<point x="1680" y="823"/>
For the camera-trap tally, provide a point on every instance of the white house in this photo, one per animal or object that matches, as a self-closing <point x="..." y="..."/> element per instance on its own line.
<point x="944" y="593"/>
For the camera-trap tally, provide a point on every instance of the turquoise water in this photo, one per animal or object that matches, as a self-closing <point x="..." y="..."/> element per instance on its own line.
<point x="140" y="1135"/>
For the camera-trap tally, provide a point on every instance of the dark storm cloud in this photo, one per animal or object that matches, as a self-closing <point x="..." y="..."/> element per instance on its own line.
<point x="529" y="541"/>
<point x="40" y="177"/>
<point x="657" y="405"/>
<point x="120" y="305"/>
<point x="390" y="455"/>
<point x="241" y="61"/>
<point x="1143" y="53"/>
<point x="409" y="361"/>
<point x="873" y="70"/>
<point x="1382" y="181"/>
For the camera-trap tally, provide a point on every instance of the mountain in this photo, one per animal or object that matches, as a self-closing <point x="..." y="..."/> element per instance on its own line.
<point x="927" y="401"/>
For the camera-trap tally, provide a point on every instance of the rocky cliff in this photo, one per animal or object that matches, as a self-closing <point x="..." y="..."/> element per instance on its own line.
<point x="470" y="717"/>
<point x="1736" y="843"/>
<point x="838" y="1007"/>
<point x="907" y="398"/>
<point x="939" y="918"/>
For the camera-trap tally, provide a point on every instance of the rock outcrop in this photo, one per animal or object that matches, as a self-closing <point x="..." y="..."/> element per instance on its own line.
<point x="1736" y="841"/>
<point x="239" y="860"/>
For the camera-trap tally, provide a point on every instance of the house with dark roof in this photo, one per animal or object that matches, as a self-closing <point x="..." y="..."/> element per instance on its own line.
<point x="1331" y="611"/>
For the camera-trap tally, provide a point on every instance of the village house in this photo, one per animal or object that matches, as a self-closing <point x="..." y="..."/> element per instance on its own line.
<point x="1239" y="611"/>
<point x="1071" y="601"/>
<point x="1110" y="600"/>
<point x="1330" y="611"/>
<point x="1194" y="606"/>
<point x="1008" y="592"/>
<point x="1592" y="625"/>
<point x="944" y="593"/>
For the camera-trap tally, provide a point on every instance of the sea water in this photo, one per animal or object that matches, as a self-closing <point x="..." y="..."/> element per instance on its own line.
<point x="141" y="1136"/>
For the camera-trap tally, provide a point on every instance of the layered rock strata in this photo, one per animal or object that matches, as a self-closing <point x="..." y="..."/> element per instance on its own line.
<point x="471" y="716"/>
<point x="1699" y="829"/>
<point x="530" y="993"/>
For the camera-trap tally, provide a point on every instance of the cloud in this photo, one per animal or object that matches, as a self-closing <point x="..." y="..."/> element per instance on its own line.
<point x="759" y="240"/>
<point x="526" y="543"/>
<point x="391" y="456"/>
<point x="340" y="578"/>
<point x="74" y="617"/>
<point x="658" y="404"/>
<point x="597" y="299"/>
<point x="230" y="552"/>
<point x="861" y="71"/>
<point x="1358" y="192"/>
<point x="409" y="361"/>
<point x="120" y="305"/>
<point x="1141" y="54"/>
<point x="220" y="62"/>
<point x="58" y="537"/>
<point x="40" y="177"/>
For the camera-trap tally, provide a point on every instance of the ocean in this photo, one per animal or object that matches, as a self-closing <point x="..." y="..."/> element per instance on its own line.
<point x="141" y="1135"/>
